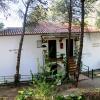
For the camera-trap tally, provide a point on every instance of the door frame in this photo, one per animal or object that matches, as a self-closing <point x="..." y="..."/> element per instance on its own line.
<point x="55" y="49"/>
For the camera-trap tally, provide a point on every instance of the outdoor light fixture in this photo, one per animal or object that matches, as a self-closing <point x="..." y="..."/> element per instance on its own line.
<point x="60" y="40"/>
<point x="43" y="46"/>
<point x="76" y="39"/>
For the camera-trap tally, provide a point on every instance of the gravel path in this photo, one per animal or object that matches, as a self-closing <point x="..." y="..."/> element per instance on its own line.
<point x="89" y="83"/>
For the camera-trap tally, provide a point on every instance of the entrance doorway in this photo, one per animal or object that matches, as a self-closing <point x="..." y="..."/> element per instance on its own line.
<point x="52" y="48"/>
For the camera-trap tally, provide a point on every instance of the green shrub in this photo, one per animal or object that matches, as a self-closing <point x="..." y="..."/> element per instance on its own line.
<point x="43" y="85"/>
<point x="60" y="98"/>
<point x="70" y="97"/>
<point x="25" y="94"/>
<point x="40" y="88"/>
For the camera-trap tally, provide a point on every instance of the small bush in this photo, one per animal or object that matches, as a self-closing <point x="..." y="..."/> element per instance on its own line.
<point x="38" y="90"/>
<point x="70" y="97"/>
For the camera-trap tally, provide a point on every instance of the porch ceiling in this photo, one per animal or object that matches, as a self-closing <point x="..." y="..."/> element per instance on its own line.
<point x="63" y="35"/>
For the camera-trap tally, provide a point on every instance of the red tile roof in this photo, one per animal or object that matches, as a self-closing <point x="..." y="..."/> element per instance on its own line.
<point x="45" y="28"/>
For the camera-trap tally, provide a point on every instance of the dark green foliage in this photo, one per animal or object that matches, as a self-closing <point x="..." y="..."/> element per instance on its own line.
<point x="98" y="22"/>
<point x="60" y="98"/>
<point x="39" y="89"/>
<point x="38" y="14"/>
<point x="1" y="25"/>
<point x="44" y="85"/>
<point x="59" y="11"/>
<point x="98" y="19"/>
<point x="70" y="97"/>
<point x="25" y="94"/>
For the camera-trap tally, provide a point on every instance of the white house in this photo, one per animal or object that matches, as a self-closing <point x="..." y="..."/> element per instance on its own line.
<point x="53" y="36"/>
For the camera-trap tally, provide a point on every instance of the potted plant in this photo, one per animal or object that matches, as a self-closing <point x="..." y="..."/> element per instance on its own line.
<point x="62" y="55"/>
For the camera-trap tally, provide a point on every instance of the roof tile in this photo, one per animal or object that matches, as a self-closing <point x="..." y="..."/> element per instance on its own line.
<point x="45" y="28"/>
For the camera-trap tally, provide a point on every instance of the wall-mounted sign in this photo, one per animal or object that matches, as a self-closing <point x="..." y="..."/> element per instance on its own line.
<point x="13" y="50"/>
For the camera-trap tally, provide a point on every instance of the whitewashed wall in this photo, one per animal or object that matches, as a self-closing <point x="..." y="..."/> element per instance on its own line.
<point x="59" y="50"/>
<point x="31" y="58"/>
<point x="30" y="55"/>
<point x="91" y="50"/>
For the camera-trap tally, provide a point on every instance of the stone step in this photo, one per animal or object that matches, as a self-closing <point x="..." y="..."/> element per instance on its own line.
<point x="72" y="66"/>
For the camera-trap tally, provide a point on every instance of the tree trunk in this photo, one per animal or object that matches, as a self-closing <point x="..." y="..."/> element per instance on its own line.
<point x="69" y="37"/>
<point x="81" y="39"/>
<point x="17" y="75"/>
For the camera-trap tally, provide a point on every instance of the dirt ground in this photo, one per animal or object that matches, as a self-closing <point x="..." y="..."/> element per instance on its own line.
<point x="10" y="92"/>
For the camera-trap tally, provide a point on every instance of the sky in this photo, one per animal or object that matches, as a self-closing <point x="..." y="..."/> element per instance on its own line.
<point x="14" y="20"/>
